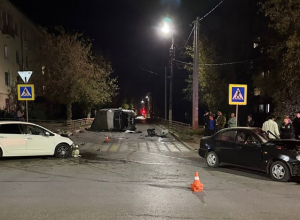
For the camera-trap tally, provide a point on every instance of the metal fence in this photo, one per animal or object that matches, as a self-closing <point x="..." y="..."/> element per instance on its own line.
<point x="175" y="126"/>
<point x="55" y="125"/>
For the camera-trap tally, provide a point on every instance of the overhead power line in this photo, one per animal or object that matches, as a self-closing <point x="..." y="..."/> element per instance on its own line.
<point x="229" y="63"/>
<point x="212" y="10"/>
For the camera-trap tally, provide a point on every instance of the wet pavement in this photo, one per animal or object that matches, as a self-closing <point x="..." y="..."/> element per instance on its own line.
<point x="138" y="177"/>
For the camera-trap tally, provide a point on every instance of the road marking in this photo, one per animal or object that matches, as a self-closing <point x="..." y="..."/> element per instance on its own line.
<point x="143" y="147"/>
<point x="124" y="147"/>
<point x="105" y="147"/>
<point x="162" y="147"/>
<point x="132" y="146"/>
<point x="181" y="147"/>
<point x="114" y="147"/>
<point x="172" y="147"/>
<point x="152" y="146"/>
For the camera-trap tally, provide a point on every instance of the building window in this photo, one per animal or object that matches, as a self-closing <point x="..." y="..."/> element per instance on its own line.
<point x="10" y="21"/>
<point x="26" y="62"/>
<point x="25" y="35"/>
<point x="5" y="52"/>
<point x="16" y="30"/>
<point x="268" y="108"/>
<point x="261" y="108"/>
<point x="7" y="79"/>
<point x="17" y="57"/>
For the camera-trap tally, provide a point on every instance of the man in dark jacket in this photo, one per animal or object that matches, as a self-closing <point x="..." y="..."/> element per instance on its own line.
<point x="205" y="121"/>
<point x="296" y="125"/>
<point x="212" y="126"/>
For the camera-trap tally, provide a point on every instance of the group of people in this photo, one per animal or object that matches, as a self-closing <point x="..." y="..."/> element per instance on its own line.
<point x="213" y="124"/>
<point x="287" y="130"/>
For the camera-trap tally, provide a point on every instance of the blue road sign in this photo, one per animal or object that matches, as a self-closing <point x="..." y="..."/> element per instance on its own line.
<point x="25" y="92"/>
<point x="237" y="94"/>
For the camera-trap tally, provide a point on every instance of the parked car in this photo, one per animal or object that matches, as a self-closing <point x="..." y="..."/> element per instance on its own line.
<point x="27" y="139"/>
<point x="251" y="148"/>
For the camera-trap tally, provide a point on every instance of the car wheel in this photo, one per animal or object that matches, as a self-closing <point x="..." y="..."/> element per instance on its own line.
<point x="279" y="171"/>
<point x="62" y="151"/>
<point x="212" y="159"/>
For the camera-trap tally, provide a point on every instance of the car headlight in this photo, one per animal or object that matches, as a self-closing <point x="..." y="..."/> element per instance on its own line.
<point x="298" y="157"/>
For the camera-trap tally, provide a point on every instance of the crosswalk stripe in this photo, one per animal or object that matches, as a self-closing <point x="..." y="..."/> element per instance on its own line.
<point x="172" y="147"/>
<point x="181" y="147"/>
<point x="132" y="146"/>
<point x="124" y="147"/>
<point x="143" y="147"/>
<point x="152" y="146"/>
<point x="162" y="147"/>
<point x="105" y="147"/>
<point x="114" y="147"/>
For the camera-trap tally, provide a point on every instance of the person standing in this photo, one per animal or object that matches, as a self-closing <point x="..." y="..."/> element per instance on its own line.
<point x="271" y="126"/>
<point x="232" y="121"/>
<point x="20" y="114"/>
<point x="286" y="130"/>
<point x="212" y="126"/>
<point x="250" y="122"/>
<point x="221" y="121"/>
<point x="296" y="125"/>
<point x="205" y="121"/>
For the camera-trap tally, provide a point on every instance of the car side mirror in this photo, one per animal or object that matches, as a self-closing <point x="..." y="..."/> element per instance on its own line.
<point x="47" y="134"/>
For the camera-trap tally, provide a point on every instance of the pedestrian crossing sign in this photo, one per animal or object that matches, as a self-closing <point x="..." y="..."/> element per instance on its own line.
<point x="25" y="92"/>
<point x="237" y="94"/>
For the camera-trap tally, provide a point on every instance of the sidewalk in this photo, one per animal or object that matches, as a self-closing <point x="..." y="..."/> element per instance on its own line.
<point x="192" y="142"/>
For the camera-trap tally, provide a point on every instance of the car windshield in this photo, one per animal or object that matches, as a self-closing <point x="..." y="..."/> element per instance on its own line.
<point x="261" y="134"/>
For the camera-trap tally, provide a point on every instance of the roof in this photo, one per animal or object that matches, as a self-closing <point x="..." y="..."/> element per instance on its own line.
<point x="16" y="122"/>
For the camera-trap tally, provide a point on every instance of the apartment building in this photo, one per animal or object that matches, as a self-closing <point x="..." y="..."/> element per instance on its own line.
<point x="19" y="42"/>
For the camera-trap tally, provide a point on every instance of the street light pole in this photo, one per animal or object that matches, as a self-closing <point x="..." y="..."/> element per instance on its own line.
<point x="196" y="75"/>
<point x="172" y="56"/>
<point x="165" y="93"/>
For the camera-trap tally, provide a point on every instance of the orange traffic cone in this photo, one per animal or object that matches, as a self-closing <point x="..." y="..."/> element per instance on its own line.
<point x="197" y="186"/>
<point x="106" y="139"/>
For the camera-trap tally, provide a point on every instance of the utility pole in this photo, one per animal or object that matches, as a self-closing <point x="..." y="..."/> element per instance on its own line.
<point x="172" y="57"/>
<point x="196" y="74"/>
<point x="165" y="93"/>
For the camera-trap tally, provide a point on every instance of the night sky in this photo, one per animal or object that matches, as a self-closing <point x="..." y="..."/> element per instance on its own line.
<point x="125" y="31"/>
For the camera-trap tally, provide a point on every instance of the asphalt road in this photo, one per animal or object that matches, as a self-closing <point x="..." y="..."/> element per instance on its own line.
<point x="138" y="177"/>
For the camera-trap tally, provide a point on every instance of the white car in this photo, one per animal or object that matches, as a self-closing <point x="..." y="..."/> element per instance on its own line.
<point x="27" y="139"/>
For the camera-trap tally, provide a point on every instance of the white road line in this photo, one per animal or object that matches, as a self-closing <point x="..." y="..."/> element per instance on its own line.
<point x="105" y="147"/>
<point x="132" y="146"/>
<point x="123" y="147"/>
<point x="143" y="147"/>
<point x="181" y="147"/>
<point x="162" y="147"/>
<point x="152" y="146"/>
<point x="172" y="147"/>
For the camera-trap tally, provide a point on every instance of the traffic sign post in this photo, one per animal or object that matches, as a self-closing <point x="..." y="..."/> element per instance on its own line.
<point x="237" y="96"/>
<point x="27" y="92"/>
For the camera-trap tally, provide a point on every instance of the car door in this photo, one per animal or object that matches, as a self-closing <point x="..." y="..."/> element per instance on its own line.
<point x="38" y="143"/>
<point x="12" y="140"/>
<point x="248" y="150"/>
<point x="225" y="146"/>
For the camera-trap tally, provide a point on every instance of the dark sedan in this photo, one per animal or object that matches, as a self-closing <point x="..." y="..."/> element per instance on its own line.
<point x="251" y="148"/>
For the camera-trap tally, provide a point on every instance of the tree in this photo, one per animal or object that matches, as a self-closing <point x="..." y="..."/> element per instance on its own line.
<point x="72" y="73"/>
<point x="212" y="89"/>
<point x="283" y="83"/>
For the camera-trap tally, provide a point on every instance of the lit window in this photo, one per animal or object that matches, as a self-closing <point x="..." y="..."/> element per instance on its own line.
<point x="268" y="108"/>
<point x="5" y="52"/>
<point x="261" y="108"/>
<point x="7" y="79"/>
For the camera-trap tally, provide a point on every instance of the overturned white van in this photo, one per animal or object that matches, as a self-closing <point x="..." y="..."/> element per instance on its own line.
<point x="114" y="119"/>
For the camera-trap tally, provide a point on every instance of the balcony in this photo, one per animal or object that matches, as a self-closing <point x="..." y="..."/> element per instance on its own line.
<point x="8" y="31"/>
